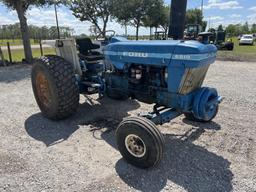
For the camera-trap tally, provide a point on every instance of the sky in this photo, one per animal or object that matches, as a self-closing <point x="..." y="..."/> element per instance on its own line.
<point x="216" y="12"/>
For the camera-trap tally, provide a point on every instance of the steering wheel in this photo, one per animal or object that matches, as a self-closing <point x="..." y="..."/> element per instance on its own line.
<point x="107" y="38"/>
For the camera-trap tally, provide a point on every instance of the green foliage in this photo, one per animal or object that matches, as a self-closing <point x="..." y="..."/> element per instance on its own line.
<point x="155" y="16"/>
<point x="239" y="29"/>
<point x="137" y="12"/>
<point x="253" y="29"/>
<point x="165" y="21"/>
<point x="246" y="27"/>
<point x="13" y="4"/>
<point x="220" y="28"/>
<point x="240" y="53"/>
<point x="93" y="11"/>
<point x="194" y="16"/>
<point x="21" y="6"/>
<point x="18" y="55"/>
<point x="13" y="32"/>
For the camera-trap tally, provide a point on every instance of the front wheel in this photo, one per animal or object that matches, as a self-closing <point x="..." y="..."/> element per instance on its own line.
<point x="191" y="117"/>
<point x="140" y="142"/>
<point x="55" y="87"/>
<point x="205" y="105"/>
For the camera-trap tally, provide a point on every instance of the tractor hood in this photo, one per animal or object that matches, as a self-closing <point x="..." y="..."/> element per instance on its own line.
<point x="164" y="52"/>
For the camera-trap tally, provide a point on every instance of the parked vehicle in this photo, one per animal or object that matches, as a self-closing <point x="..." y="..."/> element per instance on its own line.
<point x="246" y="40"/>
<point x="217" y="38"/>
<point x="192" y="31"/>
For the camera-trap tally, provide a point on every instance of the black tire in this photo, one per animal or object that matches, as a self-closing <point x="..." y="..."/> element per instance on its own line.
<point x="230" y="48"/>
<point x="147" y="136"/>
<point x="191" y="117"/>
<point x="60" y="98"/>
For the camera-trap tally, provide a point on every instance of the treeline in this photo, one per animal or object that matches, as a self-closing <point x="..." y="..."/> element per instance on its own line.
<point x="12" y="31"/>
<point x="239" y="29"/>
<point x="153" y="14"/>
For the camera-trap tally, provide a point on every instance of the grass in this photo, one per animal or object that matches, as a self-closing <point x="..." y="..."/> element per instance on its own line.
<point x="240" y="53"/>
<point x="18" y="55"/>
<point x="13" y="42"/>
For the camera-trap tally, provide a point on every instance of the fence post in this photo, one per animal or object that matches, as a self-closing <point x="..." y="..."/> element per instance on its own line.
<point x="9" y="52"/>
<point x="2" y="56"/>
<point x="41" y="47"/>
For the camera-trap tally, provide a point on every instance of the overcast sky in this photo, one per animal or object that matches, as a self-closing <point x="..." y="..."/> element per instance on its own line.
<point x="217" y="11"/>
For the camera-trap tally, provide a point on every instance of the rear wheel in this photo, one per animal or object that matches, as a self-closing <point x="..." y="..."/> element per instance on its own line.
<point x="140" y="142"/>
<point x="55" y="87"/>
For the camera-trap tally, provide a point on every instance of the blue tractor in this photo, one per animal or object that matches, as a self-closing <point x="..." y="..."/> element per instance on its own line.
<point x="166" y="73"/>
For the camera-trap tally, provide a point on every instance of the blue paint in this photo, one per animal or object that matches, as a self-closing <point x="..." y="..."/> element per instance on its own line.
<point x="180" y="59"/>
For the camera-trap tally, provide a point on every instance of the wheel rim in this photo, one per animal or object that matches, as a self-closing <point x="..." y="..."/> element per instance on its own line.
<point x="135" y="145"/>
<point x="43" y="90"/>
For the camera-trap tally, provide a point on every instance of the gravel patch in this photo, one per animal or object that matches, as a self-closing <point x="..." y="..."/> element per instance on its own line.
<point x="80" y="153"/>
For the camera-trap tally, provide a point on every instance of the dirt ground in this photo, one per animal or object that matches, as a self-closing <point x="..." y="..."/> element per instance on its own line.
<point x="79" y="154"/>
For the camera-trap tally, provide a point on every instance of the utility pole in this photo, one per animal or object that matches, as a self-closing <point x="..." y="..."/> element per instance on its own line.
<point x="57" y="22"/>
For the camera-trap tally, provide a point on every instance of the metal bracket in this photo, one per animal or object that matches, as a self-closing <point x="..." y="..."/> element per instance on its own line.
<point x="162" y="115"/>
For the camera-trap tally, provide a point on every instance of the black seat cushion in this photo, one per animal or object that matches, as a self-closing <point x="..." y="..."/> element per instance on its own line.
<point x="85" y="45"/>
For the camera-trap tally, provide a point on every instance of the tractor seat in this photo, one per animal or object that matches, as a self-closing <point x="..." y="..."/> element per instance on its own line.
<point x="85" y="47"/>
<point x="91" y="57"/>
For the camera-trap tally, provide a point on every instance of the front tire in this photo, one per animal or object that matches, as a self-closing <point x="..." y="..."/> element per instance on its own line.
<point x="191" y="117"/>
<point x="140" y="142"/>
<point x="55" y="87"/>
<point x="203" y="109"/>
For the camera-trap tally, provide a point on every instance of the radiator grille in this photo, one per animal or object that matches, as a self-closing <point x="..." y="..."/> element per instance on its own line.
<point x="192" y="79"/>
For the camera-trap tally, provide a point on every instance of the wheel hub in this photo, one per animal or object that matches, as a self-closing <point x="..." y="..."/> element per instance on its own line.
<point x="43" y="89"/>
<point x="135" y="145"/>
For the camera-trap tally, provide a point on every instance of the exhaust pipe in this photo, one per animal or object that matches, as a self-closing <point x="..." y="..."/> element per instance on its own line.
<point x="177" y="19"/>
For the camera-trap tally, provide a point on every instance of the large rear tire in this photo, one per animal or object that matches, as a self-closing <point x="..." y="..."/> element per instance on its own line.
<point x="140" y="142"/>
<point x="55" y="88"/>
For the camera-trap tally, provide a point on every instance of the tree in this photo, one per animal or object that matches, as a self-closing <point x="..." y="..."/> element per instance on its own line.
<point x="122" y="17"/>
<point x="155" y="16"/>
<point x="21" y="7"/>
<point x="204" y="25"/>
<point x="253" y="29"/>
<point x="220" y="28"/>
<point x="133" y="11"/>
<point x="93" y="30"/>
<point x="232" y="30"/>
<point x="195" y="16"/>
<point x="246" y="27"/>
<point x="94" y="11"/>
<point x="165" y="22"/>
